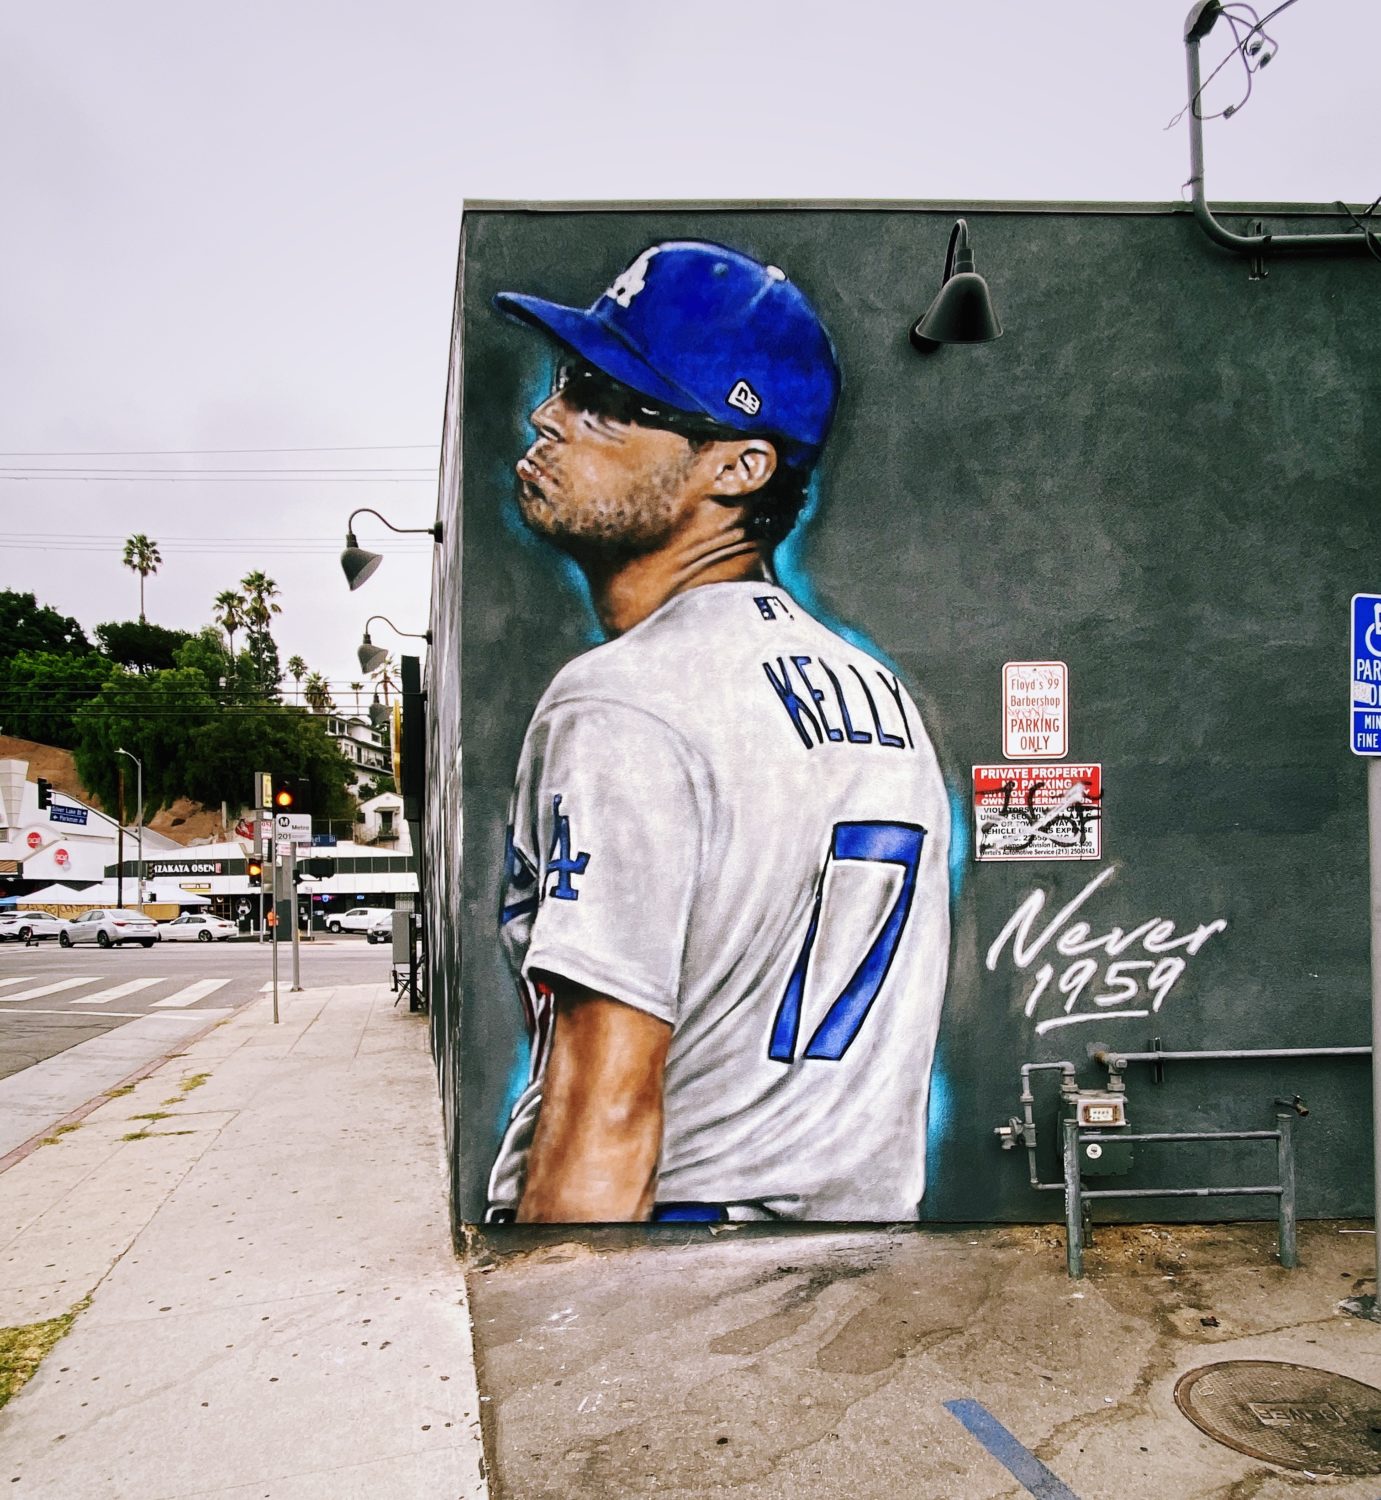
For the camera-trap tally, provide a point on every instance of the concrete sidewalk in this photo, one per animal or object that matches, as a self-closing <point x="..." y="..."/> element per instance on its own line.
<point x="275" y="1307"/>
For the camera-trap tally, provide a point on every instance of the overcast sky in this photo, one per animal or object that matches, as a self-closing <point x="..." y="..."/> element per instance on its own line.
<point x="234" y="227"/>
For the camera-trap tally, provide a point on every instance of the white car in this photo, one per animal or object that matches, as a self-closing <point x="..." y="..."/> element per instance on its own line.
<point x="357" y="919"/>
<point x="26" y="926"/>
<point x="109" y="927"/>
<point x="380" y="930"/>
<point x="196" y="927"/>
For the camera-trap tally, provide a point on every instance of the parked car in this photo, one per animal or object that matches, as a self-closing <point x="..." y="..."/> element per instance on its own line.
<point x="197" y="927"/>
<point x="357" y="919"/>
<point x="380" y="930"/>
<point x="26" y="926"/>
<point x="109" y="927"/>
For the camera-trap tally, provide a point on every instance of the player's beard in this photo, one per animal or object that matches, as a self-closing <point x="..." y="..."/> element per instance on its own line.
<point x="630" y="519"/>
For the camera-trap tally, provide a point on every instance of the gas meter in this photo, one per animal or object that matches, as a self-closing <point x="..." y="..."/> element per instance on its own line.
<point x="1098" y="1110"/>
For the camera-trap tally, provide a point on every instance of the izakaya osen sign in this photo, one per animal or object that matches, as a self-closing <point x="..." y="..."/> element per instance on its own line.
<point x="1035" y="710"/>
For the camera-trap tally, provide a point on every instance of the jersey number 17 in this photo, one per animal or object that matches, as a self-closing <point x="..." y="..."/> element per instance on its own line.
<point x="875" y="843"/>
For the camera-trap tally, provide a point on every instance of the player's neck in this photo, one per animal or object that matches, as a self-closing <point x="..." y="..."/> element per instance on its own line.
<point x="626" y="592"/>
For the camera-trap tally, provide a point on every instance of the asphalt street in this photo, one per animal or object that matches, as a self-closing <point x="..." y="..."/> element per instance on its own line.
<point x="53" y="998"/>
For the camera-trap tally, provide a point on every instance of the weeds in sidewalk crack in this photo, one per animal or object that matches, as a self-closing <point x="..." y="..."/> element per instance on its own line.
<point x="155" y="1114"/>
<point x="22" y="1348"/>
<point x="120" y="1092"/>
<point x="62" y="1130"/>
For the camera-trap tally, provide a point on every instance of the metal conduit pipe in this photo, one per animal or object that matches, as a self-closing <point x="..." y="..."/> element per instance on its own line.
<point x="1197" y="25"/>
<point x="1069" y="1082"/>
<point x="1108" y="1058"/>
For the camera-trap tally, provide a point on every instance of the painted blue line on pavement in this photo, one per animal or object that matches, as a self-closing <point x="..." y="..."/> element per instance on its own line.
<point x="1020" y="1462"/>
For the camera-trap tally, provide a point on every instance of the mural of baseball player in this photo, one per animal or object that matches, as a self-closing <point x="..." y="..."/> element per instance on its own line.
<point x="725" y="892"/>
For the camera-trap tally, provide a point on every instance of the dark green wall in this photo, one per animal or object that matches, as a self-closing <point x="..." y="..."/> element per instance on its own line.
<point x="1164" y="475"/>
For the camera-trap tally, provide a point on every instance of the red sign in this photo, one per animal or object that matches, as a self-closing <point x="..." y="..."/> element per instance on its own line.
<point x="1038" y="812"/>
<point x="35" y="839"/>
<point x="63" y="857"/>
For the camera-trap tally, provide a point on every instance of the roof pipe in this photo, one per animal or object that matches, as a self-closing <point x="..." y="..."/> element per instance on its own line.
<point x="1198" y="24"/>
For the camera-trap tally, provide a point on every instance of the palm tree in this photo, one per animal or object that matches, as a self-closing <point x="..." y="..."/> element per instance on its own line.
<point x="297" y="669"/>
<point x="141" y="556"/>
<point x="260" y="609"/>
<point x="228" y="611"/>
<point x="259" y="593"/>
<point x="318" y="693"/>
<point x="383" y="675"/>
<point x="357" y="688"/>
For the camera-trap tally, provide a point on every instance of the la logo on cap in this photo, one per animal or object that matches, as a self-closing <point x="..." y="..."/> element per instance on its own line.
<point x="745" y="398"/>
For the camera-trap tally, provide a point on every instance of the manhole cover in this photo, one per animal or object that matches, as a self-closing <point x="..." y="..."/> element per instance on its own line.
<point x="1287" y="1414"/>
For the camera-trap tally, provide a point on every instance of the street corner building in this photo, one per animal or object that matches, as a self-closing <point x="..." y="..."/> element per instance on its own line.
<point x="854" y="737"/>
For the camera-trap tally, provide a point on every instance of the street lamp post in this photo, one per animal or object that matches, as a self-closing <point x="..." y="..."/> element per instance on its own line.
<point x="139" y="793"/>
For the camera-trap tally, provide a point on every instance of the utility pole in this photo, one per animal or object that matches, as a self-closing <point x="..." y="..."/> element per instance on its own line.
<point x="139" y="793"/>
<point x="296" y="924"/>
<point x="120" y="842"/>
<point x="273" y="935"/>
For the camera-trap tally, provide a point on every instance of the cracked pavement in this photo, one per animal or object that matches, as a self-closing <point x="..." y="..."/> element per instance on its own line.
<point x="771" y="1364"/>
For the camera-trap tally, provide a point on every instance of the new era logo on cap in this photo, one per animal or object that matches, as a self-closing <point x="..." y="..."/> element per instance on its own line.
<point x="710" y="331"/>
<point x="745" y="398"/>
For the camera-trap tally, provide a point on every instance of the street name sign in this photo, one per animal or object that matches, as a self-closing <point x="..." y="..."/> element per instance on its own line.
<point x="1365" y="727"/>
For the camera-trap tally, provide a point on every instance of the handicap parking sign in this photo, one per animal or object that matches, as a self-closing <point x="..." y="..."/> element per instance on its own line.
<point x="1366" y="674"/>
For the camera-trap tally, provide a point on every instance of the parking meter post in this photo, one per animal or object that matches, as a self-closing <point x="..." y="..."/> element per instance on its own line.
<point x="273" y="936"/>
<point x="296" y="924"/>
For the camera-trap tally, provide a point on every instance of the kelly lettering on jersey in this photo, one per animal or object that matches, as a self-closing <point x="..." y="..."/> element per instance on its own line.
<point x="840" y="707"/>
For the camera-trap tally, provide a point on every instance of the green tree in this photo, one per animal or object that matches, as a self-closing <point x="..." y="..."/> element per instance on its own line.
<point x="41" y="691"/>
<point x="141" y="556"/>
<point x="154" y="716"/>
<point x="318" y="694"/>
<point x="357" y="688"/>
<point x="297" y="669"/>
<point x="260" y="608"/>
<point x="25" y="625"/>
<point x="139" y="645"/>
<point x="191" y="746"/>
<point x="228" y="611"/>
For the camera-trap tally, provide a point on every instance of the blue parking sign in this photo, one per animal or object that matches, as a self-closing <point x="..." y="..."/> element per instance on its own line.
<point x="1366" y="674"/>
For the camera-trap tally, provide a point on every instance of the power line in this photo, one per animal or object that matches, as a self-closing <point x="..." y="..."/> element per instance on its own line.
<point x="196" y="479"/>
<point x="192" y="452"/>
<point x="305" y="471"/>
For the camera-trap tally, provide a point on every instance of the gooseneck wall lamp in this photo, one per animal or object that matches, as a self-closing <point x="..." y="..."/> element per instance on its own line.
<point x="962" y="312"/>
<point x="372" y="657"/>
<point x="357" y="563"/>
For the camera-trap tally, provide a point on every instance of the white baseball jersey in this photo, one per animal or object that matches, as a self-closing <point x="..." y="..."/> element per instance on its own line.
<point x="732" y="819"/>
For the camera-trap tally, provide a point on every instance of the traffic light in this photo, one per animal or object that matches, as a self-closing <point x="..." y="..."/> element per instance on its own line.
<point x="45" y="793"/>
<point x="255" y="871"/>
<point x="283" y="798"/>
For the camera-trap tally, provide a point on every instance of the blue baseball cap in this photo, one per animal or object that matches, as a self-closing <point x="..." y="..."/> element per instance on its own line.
<point x="710" y="332"/>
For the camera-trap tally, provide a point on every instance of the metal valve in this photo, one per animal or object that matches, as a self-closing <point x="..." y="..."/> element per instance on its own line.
<point x="1010" y="1134"/>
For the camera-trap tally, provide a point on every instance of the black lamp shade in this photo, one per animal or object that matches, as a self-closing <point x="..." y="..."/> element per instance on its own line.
<point x="962" y="313"/>
<point x="358" y="565"/>
<point x="371" y="657"/>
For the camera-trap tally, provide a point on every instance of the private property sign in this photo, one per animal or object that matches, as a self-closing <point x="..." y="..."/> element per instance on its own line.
<point x="1038" y="812"/>
<point x="1035" y="710"/>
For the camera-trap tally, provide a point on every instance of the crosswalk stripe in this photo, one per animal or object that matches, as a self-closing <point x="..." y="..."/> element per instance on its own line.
<point x="193" y="992"/>
<point x="19" y="979"/>
<point x="116" y="992"/>
<point x="49" y="989"/>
